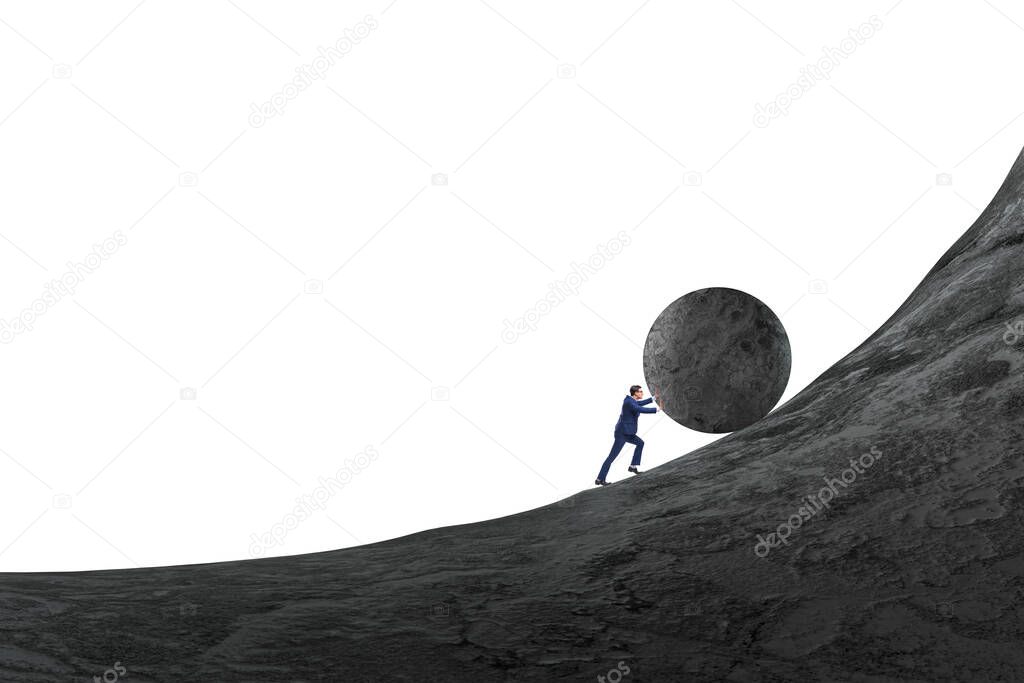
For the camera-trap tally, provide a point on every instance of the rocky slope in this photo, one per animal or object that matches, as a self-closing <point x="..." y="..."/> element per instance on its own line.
<point x="914" y="570"/>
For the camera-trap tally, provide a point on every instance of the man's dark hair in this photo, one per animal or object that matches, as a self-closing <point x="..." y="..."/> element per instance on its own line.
<point x="633" y="389"/>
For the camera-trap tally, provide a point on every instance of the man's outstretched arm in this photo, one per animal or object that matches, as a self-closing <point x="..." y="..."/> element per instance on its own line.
<point x="637" y="405"/>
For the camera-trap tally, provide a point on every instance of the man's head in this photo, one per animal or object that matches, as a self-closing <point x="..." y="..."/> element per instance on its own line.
<point x="636" y="392"/>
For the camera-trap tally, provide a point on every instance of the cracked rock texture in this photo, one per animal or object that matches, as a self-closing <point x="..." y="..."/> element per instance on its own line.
<point x="914" y="572"/>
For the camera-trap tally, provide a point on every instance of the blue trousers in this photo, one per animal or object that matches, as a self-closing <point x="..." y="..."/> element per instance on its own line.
<point x="620" y="441"/>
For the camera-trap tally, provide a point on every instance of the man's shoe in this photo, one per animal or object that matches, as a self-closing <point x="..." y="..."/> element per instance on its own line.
<point x="634" y="470"/>
<point x="600" y="482"/>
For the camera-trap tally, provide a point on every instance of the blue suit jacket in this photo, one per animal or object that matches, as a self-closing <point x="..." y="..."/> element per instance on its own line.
<point x="631" y="408"/>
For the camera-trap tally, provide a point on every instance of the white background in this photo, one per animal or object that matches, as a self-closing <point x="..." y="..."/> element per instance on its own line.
<point x="105" y="111"/>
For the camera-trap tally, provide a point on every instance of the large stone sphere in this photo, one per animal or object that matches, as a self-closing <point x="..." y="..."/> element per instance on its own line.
<point x="718" y="358"/>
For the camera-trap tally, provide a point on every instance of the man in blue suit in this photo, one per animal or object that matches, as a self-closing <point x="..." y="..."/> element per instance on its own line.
<point x="625" y="431"/>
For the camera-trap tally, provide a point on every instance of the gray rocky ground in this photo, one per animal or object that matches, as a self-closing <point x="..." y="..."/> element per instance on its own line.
<point x="914" y="572"/>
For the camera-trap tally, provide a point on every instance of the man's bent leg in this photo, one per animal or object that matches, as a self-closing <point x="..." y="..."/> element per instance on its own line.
<point x="638" y="451"/>
<point x="620" y="441"/>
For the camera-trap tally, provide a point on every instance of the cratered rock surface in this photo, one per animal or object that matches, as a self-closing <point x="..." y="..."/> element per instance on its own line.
<point x="914" y="573"/>
<point x="718" y="358"/>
